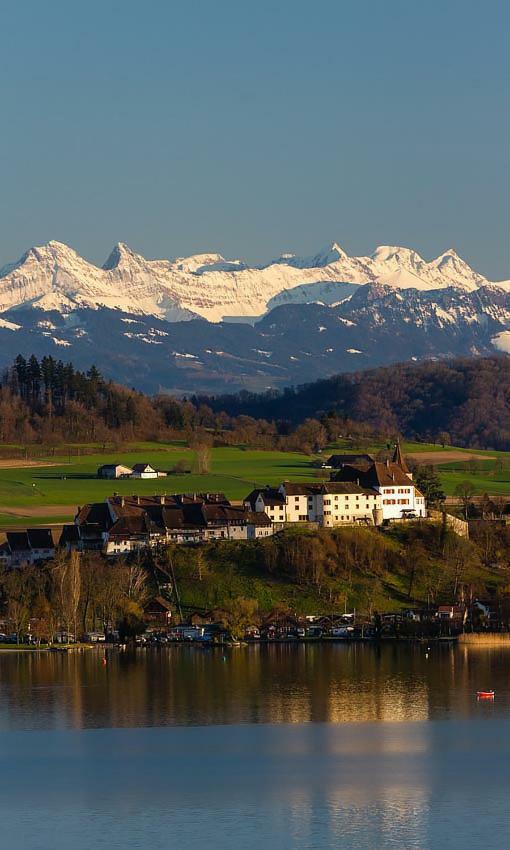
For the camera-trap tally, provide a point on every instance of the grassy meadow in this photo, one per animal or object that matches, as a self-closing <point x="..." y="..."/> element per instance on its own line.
<point x="50" y="492"/>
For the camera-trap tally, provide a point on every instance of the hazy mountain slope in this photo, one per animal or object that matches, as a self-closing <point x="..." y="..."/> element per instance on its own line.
<point x="292" y="344"/>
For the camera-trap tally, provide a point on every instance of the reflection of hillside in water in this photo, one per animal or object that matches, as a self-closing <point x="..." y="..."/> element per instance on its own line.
<point x="267" y="684"/>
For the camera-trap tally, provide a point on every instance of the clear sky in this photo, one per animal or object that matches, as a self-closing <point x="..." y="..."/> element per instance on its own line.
<point x="253" y="127"/>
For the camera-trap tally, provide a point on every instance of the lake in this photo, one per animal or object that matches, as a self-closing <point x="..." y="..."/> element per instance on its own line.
<point x="284" y="746"/>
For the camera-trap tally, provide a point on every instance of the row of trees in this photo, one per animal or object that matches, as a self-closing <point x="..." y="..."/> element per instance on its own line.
<point x="73" y="594"/>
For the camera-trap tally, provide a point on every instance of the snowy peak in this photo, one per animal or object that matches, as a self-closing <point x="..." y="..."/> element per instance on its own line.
<point x="332" y="253"/>
<point x="121" y="254"/>
<point x="213" y="287"/>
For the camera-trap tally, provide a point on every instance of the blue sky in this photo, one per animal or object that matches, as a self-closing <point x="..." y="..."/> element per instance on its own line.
<point x="253" y="128"/>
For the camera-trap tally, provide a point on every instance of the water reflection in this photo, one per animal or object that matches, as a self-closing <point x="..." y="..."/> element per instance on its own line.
<point x="266" y="684"/>
<point x="418" y="785"/>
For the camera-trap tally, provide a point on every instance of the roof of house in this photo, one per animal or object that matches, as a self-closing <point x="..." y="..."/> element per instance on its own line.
<point x="70" y="534"/>
<point x="347" y="487"/>
<point x="40" y="538"/>
<point x="96" y="513"/>
<point x="18" y="541"/>
<point x="143" y="467"/>
<point x="258" y="518"/>
<point x="398" y="457"/>
<point x="130" y="525"/>
<point x="271" y="496"/>
<point x="187" y="517"/>
<point x="306" y="489"/>
<point x="157" y="602"/>
<point x="360" y="460"/>
<point x="379" y="474"/>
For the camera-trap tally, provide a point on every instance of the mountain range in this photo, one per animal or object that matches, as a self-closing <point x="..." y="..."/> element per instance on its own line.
<point x="205" y="323"/>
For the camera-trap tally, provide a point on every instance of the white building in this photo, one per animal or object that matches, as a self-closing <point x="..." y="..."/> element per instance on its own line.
<point x="144" y="470"/>
<point x="347" y="502"/>
<point x="393" y="481"/>
<point x="364" y="491"/>
<point x="268" y="500"/>
<point x="329" y="505"/>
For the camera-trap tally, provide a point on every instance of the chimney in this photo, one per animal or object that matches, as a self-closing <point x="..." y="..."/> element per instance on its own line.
<point x="138" y="500"/>
<point x="122" y="501"/>
<point x="387" y="463"/>
<point x="162" y="499"/>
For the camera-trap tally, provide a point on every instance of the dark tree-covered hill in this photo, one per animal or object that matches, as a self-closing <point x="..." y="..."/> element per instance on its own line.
<point x="466" y="399"/>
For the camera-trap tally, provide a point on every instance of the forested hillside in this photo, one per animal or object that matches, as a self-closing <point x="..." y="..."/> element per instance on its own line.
<point x="462" y="401"/>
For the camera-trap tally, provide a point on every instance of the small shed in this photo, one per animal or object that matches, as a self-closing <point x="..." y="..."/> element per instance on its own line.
<point x="158" y="611"/>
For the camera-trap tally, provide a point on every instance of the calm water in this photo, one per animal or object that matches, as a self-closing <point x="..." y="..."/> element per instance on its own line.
<point x="279" y="747"/>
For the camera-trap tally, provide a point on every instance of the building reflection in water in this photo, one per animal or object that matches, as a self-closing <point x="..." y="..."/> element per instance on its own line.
<point x="278" y="684"/>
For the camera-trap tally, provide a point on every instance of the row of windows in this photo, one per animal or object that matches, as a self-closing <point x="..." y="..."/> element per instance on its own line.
<point x="346" y="518"/>
<point x="395" y="501"/>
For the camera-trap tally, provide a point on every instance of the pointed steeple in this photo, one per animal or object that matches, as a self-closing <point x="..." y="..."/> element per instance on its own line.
<point x="398" y="458"/>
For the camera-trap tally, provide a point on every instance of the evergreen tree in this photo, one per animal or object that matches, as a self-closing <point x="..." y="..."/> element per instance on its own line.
<point x="428" y="482"/>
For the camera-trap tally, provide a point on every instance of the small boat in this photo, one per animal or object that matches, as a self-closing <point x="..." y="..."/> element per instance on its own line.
<point x="485" y="694"/>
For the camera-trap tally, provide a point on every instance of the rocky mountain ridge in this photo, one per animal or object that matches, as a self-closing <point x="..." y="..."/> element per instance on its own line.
<point x="54" y="277"/>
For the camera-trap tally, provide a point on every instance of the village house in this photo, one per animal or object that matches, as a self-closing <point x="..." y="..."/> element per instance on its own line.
<point x="22" y="548"/>
<point x="114" y="471"/>
<point x="125" y="524"/>
<point x="145" y="470"/>
<point x="341" y="501"/>
<point x="158" y="612"/>
<point x="268" y="500"/>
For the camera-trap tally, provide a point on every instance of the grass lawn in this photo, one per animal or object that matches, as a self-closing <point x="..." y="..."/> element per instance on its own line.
<point x="234" y="471"/>
<point x="69" y="481"/>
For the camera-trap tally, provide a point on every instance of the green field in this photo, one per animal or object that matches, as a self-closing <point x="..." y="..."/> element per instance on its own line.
<point x="69" y="480"/>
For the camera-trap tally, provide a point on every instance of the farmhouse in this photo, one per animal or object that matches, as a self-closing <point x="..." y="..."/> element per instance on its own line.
<point x="144" y="470"/>
<point x="114" y="470"/>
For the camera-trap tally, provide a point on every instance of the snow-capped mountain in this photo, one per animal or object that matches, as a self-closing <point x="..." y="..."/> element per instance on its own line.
<point x="55" y="277"/>
<point x="291" y="344"/>
<point x="205" y="323"/>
